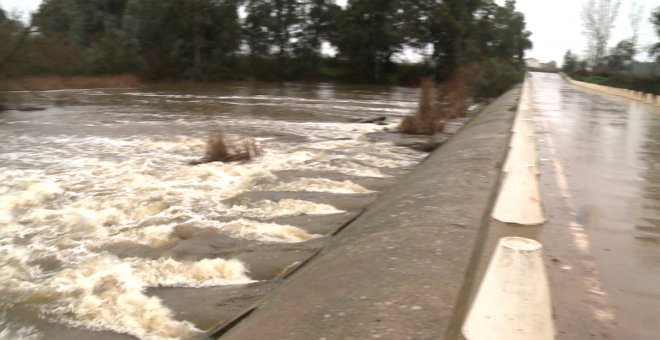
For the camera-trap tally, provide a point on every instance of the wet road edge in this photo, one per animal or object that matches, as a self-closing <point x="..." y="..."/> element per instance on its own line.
<point x="405" y="268"/>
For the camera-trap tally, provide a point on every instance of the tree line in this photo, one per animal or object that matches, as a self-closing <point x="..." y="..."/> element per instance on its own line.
<point x="210" y="40"/>
<point x="612" y="66"/>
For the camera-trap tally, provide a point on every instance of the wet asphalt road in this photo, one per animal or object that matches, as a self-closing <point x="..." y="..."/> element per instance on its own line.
<point x="600" y="188"/>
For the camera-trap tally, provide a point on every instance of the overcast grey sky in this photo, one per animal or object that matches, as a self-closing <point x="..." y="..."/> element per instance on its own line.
<point x="555" y="24"/>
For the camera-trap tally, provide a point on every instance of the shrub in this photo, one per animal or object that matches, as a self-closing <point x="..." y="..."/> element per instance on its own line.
<point x="218" y="149"/>
<point x="450" y="101"/>
<point x="424" y="121"/>
<point x="454" y="94"/>
<point x="494" y="77"/>
<point x="644" y="84"/>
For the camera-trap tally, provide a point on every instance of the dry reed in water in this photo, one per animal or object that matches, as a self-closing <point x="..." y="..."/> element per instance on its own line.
<point x="438" y="104"/>
<point x="219" y="149"/>
<point x="424" y="120"/>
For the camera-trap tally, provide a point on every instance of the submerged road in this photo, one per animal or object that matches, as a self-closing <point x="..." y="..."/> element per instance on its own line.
<point x="600" y="188"/>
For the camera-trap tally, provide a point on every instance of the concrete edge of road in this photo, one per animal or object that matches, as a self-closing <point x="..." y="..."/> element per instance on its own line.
<point x="513" y="301"/>
<point x="405" y="268"/>
<point x="519" y="198"/>
<point x="643" y="97"/>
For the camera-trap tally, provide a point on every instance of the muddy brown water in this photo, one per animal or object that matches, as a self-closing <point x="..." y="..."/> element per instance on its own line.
<point x="106" y="232"/>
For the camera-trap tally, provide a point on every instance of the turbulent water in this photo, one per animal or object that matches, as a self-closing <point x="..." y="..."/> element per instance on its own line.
<point x="101" y="170"/>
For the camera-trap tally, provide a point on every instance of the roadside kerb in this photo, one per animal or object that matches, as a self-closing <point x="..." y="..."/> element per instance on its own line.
<point x="647" y="98"/>
<point x="519" y="198"/>
<point x="405" y="268"/>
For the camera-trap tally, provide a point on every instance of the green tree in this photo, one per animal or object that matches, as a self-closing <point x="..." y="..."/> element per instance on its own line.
<point x="480" y="40"/>
<point x="208" y="37"/>
<point x="497" y="32"/>
<point x="15" y="38"/>
<point x="201" y="39"/>
<point x="368" y="37"/>
<point x="512" y="38"/>
<point x="9" y="30"/>
<point x="621" y="56"/>
<point x="655" y="20"/>
<point x="570" y="65"/>
<point x="269" y="26"/>
<point x="451" y="24"/>
<point x="94" y="26"/>
<point x="257" y="27"/>
<point x="82" y="21"/>
<point x="194" y="39"/>
<point x="318" y="24"/>
<point x="155" y="26"/>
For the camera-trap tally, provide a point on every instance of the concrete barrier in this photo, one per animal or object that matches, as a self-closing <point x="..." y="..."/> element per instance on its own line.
<point x="647" y="98"/>
<point x="519" y="199"/>
<point x="404" y="268"/>
<point x="521" y="153"/>
<point x="523" y="127"/>
<point x="513" y="301"/>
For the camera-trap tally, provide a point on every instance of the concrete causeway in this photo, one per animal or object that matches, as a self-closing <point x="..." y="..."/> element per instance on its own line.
<point x="405" y="268"/>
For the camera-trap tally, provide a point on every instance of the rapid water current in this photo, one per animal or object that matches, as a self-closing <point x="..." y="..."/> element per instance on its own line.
<point x="98" y="203"/>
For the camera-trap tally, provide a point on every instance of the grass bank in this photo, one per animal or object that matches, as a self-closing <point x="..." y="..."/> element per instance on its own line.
<point x="55" y="82"/>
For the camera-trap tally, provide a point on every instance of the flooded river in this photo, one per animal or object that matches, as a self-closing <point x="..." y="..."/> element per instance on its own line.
<point x="105" y="227"/>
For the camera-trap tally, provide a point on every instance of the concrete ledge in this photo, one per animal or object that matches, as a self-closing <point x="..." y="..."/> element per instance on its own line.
<point x="402" y="270"/>
<point x="519" y="199"/>
<point x="647" y="98"/>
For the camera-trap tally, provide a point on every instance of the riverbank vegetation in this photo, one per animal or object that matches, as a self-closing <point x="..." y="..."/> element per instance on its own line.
<point x="471" y="48"/>
<point x="220" y="149"/>
<point x="215" y="40"/>
<point x="615" y="67"/>
<point x="427" y="119"/>
<point x="624" y="74"/>
<point x="59" y="82"/>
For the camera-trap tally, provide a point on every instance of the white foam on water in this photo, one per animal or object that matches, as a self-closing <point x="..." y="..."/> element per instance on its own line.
<point x="65" y="198"/>
<point x="10" y="332"/>
<point x="400" y="108"/>
<point x="265" y="232"/>
<point x="285" y="207"/>
<point x="67" y="214"/>
<point x="273" y="100"/>
<point x="154" y="236"/>
<point x="350" y="167"/>
<point x="105" y="293"/>
<point x="203" y="273"/>
<point x="322" y="185"/>
<point x="381" y="162"/>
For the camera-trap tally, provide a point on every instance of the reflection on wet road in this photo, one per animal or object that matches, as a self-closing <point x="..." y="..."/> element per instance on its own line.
<point x="600" y="183"/>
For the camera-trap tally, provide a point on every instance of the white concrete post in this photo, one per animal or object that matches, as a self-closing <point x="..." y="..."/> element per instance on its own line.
<point x="513" y="301"/>
<point x="519" y="199"/>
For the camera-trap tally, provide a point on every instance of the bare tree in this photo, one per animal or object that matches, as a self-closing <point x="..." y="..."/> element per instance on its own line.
<point x="635" y="18"/>
<point x="598" y="17"/>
